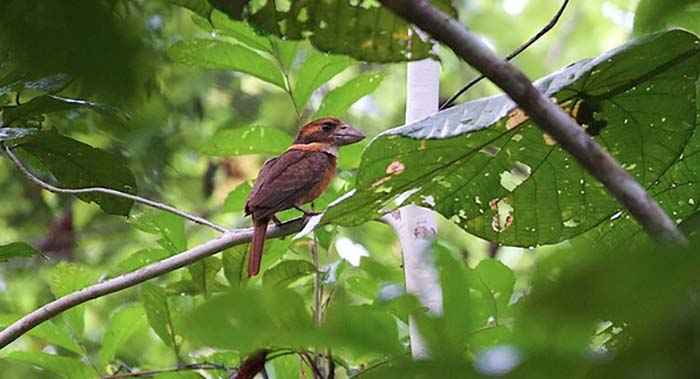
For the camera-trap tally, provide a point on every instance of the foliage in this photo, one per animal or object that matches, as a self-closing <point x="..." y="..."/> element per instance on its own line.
<point x="182" y="100"/>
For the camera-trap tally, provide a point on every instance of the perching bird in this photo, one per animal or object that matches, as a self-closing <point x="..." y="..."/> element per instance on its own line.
<point x="296" y="177"/>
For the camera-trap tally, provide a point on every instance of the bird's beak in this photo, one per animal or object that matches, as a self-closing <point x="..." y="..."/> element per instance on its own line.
<point x="346" y="135"/>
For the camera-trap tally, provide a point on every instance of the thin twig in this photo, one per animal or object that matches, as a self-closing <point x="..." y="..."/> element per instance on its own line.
<point x="231" y="238"/>
<point x="189" y="367"/>
<point x="448" y="103"/>
<point x="108" y="191"/>
<point x="545" y="114"/>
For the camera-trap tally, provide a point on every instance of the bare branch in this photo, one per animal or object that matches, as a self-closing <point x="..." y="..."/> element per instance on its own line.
<point x="550" y="25"/>
<point x="108" y="191"/>
<point x="547" y="115"/>
<point x="228" y="239"/>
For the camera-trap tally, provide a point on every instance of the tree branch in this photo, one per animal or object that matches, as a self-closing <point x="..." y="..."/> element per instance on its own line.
<point x="108" y="191"/>
<point x="547" y="115"/>
<point x="550" y="25"/>
<point x="229" y="239"/>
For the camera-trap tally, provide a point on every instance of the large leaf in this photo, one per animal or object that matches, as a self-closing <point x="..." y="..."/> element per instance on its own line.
<point x="486" y="167"/>
<point x="77" y="165"/>
<point x="361" y="29"/>
<point x="62" y="367"/>
<point x="246" y="140"/>
<point x="214" y="54"/>
<point x="339" y="100"/>
<point x="200" y="7"/>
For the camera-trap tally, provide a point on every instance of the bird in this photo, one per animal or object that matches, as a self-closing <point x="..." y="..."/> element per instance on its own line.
<point x="296" y="177"/>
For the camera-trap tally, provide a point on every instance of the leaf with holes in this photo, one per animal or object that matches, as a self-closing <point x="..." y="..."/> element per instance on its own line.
<point x="485" y="166"/>
<point x="77" y="165"/>
<point x="366" y="31"/>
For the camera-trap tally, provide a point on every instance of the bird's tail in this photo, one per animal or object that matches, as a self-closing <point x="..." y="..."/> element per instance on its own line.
<point x="256" y="246"/>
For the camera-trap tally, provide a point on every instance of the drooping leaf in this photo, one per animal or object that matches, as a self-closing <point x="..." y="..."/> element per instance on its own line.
<point x="246" y="140"/>
<point x="77" y="165"/>
<point x="368" y="32"/>
<point x="339" y="100"/>
<point x="155" y="302"/>
<point x="122" y="324"/>
<point x="65" y="278"/>
<point x="16" y="250"/>
<point x="287" y="272"/>
<point x="486" y="167"/>
<point x="63" y="367"/>
<point x="215" y="54"/>
<point x="48" y="331"/>
<point x="317" y="70"/>
<point x="50" y="103"/>
<point x="235" y="201"/>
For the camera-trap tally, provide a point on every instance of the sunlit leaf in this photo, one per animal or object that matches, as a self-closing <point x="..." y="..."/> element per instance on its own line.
<point x="487" y="168"/>
<point x="339" y="100"/>
<point x="215" y="54"/>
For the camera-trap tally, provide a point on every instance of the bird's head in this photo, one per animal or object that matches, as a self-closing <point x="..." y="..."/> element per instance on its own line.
<point x="328" y="130"/>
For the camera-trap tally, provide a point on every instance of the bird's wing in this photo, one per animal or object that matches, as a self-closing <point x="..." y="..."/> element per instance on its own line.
<point x="283" y="181"/>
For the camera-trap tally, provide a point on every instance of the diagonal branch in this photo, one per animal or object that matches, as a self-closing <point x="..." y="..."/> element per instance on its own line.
<point x="108" y="191"/>
<point x="229" y="239"/>
<point x="550" y="25"/>
<point x="547" y="115"/>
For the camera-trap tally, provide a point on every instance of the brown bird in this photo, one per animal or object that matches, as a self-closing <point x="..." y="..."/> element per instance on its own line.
<point x="296" y="177"/>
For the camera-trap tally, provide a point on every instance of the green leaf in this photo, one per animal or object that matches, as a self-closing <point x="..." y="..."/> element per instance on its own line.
<point x="63" y="367"/>
<point x="489" y="169"/>
<point x="655" y="15"/>
<point x="339" y="100"/>
<point x="317" y="69"/>
<point x="16" y="250"/>
<point x="65" y="278"/>
<point x="18" y="81"/>
<point x="77" y="165"/>
<point x="48" y="331"/>
<point x="241" y="31"/>
<point x="155" y="302"/>
<point x="200" y="7"/>
<point x="51" y="104"/>
<point x="233" y="261"/>
<point x="221" y="55"/>
<point x="246" y="140"/>
<point x="368" y="32"/>
<point x="235" y="200"/>
<point x="496" y="286"/>
<point x="169" y="226"/>
<point x="122" y="324"/>
<point x="139" y="259"/>
<point x="287" y="272"/>
<point x="204" y="274"/>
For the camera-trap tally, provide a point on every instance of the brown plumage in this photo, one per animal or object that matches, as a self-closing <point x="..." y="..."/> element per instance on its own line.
<point x="296" y="177"/>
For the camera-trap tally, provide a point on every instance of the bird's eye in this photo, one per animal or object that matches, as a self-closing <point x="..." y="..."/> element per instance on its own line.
<point x="327" y="126"/>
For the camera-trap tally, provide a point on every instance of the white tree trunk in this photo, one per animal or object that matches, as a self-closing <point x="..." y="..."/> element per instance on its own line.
<point x="416" y="227"/>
